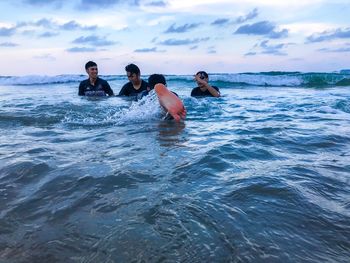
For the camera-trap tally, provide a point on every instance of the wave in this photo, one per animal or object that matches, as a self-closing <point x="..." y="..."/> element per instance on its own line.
<point x="268" y="79"/>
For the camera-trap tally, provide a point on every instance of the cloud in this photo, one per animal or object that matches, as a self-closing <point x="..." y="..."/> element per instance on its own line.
<point x="88" y="4"/>
<point x="182" y="42"/>
<point x="329" y="35"/>
<point x="181" y="29"/>
<point x="252" y="14"/>
<point x="220" y="22"/>
<point x="263" y="28"/>
<point x="158" y="4"/>
<point x="146" y="50"/>
<point x="94" y="41"/>
<point x="73" y="25"/>
<point x="81" y="49"/>
<point x="7" y="31"/>
<point x="266" y="48"/>
<point x="8" y="44"/>
<point x="48" y="34"/>
<point x="335" y="50"/>
<point x="57" y="3"/>
<point x="250" y="54"/>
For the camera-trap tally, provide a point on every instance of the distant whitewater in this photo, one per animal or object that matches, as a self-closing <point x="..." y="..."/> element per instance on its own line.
<point x="274" y="78"/>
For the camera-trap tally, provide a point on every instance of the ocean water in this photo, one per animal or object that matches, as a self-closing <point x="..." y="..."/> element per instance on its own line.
<point x="261" y="174"/>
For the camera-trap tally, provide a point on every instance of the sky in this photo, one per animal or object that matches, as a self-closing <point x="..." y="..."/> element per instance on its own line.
<point x="53" y="37"/>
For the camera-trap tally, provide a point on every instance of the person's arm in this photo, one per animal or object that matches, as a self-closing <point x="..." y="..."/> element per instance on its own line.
<point x="123" y="91"/>
<point x="213" y="91"/>
<point x="108" y="89"/>
<point x="81" y="89"/>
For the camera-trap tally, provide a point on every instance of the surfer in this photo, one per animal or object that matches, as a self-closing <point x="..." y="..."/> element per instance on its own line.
<point x="94" y="86"/>
<point x="204" y="89"/>
<point x="169" y="100"/>
<point x="135" y="85"/>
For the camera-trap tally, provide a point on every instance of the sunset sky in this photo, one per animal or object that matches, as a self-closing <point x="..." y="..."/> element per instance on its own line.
<point x="51" y="37"/>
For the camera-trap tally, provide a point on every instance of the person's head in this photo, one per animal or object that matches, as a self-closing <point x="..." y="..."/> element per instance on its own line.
<point x="133" y="73"/>
<point x="203" y="76"/>
<point x="155" y="79"/>
<point x="91" y="69"/>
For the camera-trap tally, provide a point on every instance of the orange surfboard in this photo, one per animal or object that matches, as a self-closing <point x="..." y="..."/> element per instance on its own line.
<point x="170" y="102"/>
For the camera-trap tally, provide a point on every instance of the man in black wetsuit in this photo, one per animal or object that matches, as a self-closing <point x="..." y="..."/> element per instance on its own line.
<point x="135" y="85"/>
<point x="94" y="86"/>
<point x="204" y="89"/>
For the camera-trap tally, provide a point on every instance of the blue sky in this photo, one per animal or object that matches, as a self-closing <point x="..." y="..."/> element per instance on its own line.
<point x="50" y="37"/>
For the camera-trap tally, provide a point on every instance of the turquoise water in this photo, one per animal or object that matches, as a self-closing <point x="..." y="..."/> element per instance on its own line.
<point x="261" y="174"/>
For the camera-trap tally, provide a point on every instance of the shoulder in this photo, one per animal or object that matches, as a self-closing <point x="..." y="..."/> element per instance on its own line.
<point x="195" y="91"/>
<point x="102" y="81"/>
<point x="128" y="84"/>
<point x="144" y="83"/>
<point x="83" y="82"/>
<point x="216" y="88"/>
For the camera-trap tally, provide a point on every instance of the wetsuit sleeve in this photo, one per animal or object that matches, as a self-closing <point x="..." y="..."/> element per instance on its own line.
<point x="108" y="89"/>
<point x="123" y="91"/>
<point x="81" y="89"/>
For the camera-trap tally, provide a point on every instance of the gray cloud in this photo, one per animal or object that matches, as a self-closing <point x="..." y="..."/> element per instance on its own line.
<point x="252" y="14"/>
<point x="7" y="31"/>
<point x="265" y="48"/>
<point x="73" y="25"/>
<point x="94" y="41"/>
<point x="158" y="3"/>
<point x="181" y="29"/>
<point x="52" y="25"/>
<point x="88" y="4"/>
<point x="182" y="42"/>
<point x="250" y="54"/>
<point x="329" y="35"/>
<point x="8" y="44"/>
<point x="48" y="34"/>
<point x="335" y="50"/>
<point x="146" y="50"/>
<point x="57" y="3"/>
<point x="81" y="49"/>
<point x="220" y="22"/>
<point x="264" y="28"/>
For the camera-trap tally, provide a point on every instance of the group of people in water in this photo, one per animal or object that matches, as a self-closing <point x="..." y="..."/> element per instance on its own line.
<point x="137" y="87"/>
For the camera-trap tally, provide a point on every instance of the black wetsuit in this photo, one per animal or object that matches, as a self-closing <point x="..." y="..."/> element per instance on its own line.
<point x="101" y="88"/>
<point x="129" y="90"/>
<point x="196" y="92"/>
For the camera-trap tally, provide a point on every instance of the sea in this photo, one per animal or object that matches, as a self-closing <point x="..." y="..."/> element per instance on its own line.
<point x="261" y="174"/>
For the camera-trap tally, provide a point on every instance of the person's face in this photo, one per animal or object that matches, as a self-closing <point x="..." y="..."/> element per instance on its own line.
<point x="133" y="77"/>
<point x="201" y="80"/>
<point x="92" y="72"/>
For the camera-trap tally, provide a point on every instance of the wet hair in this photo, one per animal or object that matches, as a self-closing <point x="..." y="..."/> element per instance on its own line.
<point x="155" y="79"/>
<point x="90" y="64"/>
<point x="132" y="68"/>
<point x="202" y="74"/>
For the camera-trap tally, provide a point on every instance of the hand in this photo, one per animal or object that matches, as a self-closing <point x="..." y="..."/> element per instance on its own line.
<point x="200" y="82"/>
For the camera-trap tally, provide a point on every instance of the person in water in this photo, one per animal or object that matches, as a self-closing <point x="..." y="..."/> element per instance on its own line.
<point x="204" y="89"/>
<point x="135" y="85"/>
<point x="94" y="86"/>
<point x="153" y="80"/>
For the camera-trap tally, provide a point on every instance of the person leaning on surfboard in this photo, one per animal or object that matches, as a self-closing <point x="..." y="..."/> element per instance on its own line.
<point x="204" y="89"/>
